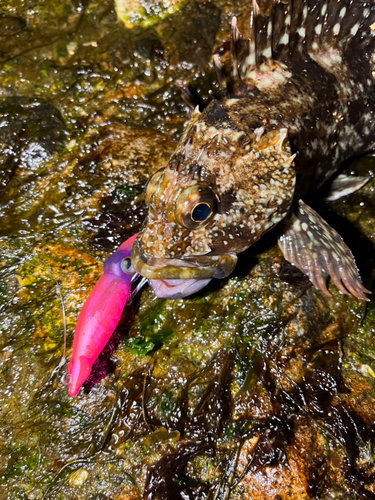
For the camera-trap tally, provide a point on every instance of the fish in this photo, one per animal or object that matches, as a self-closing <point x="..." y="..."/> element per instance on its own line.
<point x="101" y="313"/>
<point x="296" y="101"/>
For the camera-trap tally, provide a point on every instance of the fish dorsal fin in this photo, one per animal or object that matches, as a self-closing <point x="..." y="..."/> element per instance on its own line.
<point x="289" y="27"/>
<point x="282" y="17"/>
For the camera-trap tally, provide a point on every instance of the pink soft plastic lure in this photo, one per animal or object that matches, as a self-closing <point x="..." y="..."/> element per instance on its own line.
<point x="100" y="314"/>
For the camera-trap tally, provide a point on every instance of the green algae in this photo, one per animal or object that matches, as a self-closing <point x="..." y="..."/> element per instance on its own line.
<point x="139" y="346"/>
<point x="145" y="14"/>
<point x="259" y="380"/>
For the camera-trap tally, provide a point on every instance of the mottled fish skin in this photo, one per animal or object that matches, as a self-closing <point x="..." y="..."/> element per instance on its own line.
<point x="217" y="153"/>
<point x="299" y="101"/>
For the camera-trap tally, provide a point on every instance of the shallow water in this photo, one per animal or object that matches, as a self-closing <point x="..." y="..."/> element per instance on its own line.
<point x="265" y="391"/>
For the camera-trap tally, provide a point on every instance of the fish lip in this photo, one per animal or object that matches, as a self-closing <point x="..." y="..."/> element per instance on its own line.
<point x="183" y="288"/>
<point x="190" y="267"/>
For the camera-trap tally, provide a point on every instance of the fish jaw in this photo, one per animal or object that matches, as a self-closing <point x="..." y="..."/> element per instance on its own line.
<point x="177" y="289"/>
<point x="99" y="316"/>
<point x="201" y="267"/>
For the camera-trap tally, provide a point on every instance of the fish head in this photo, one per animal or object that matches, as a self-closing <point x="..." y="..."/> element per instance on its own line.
<point x="224" y="186"/>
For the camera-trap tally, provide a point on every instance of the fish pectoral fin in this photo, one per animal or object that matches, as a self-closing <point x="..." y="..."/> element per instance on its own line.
<point x="316" y="249"/>
<point x="344" y="185"/>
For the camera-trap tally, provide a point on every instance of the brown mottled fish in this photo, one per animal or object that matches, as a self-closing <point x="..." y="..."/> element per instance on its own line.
<point x="297" y="102"/>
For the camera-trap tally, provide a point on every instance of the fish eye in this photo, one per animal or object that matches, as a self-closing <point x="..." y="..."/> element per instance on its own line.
<point x="126" y="266"/>
<point x="153" y="184"/>
<point x="201" y="212"/>
<point x="195" y="206"/>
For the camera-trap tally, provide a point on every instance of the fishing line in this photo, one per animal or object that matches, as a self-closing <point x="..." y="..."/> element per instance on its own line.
<point x="27" y="258"/>
<point x="63" y="361"/>
<point x="139" y="286"/>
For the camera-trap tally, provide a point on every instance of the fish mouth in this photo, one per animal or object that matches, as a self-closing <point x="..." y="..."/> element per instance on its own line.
<point x="177" y="289"/>
<point x="200" y="267"/>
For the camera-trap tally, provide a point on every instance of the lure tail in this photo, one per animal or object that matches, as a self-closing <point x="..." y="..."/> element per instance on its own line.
<point x="100" y="314"/>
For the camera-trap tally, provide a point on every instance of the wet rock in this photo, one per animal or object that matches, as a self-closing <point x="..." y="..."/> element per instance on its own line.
<point x="78" y="477"/>
<point x="11" y="25"/>
<point x="264" y="403"/>
<point x="258" y="387"/>
<point x="128" y="156"/>
<point x="122" y="213"/>
<point x="125" y="153"/>
<point x="147" y="13"/>
<point x="26" y="27"/>
<point x="195" y="42"/>
<point x="31" y="130"/>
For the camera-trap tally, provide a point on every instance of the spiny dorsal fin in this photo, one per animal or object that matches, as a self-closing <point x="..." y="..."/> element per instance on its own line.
<point x="301" y="29"/>
<point x="252" y="57"/>
<point x="235" y="37"/>
<point x="220" y="72"/>
<point x="286" y="27"/>
<point x="282" y="23"/>
<point x="327" y="24"/>
<point x="263" y="51"/>
<point x="357" y="25"/>
<point x="333" y="24"/>
<point x="259" y="54"/>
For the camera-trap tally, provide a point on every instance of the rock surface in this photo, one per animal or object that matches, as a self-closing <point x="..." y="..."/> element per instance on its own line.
<point x="259" y="387"/>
